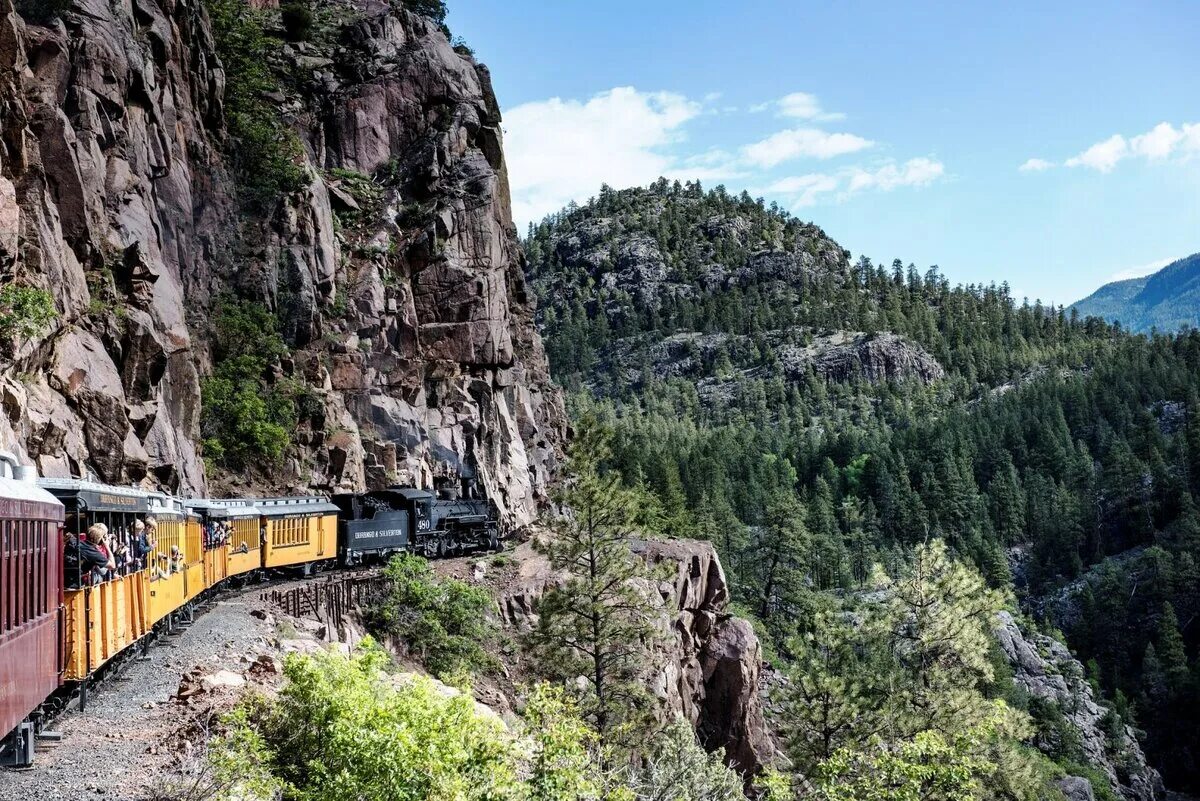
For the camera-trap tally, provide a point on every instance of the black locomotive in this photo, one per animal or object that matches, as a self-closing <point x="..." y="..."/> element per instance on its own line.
<point x="374" y="525"/>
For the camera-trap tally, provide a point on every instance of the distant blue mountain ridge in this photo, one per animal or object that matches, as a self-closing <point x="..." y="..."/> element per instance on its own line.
<point x="1166" y="300"/>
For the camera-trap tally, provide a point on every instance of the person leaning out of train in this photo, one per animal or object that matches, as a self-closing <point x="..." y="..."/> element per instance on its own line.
<point x="80" y="560"/>
<point x="71" y="571"/>
<point x="97" y="540"/>
<point x="141" y="546"/>
<point x="176" y="559"/>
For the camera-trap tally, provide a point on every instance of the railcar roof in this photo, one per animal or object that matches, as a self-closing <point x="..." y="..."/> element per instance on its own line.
<point x="232" y="508"/>
<point x="98" y="496"/>
<point x="164" y="505"/>
<point x="13" y="490"/>
<point x="281" y="507"/>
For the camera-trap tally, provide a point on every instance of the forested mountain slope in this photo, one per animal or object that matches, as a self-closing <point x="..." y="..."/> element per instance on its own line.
<point x="1167" y="300"/>
<point x="814" y="416"/>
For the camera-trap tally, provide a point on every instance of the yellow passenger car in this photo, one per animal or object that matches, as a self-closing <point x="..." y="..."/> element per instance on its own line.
<point x="233" y="541"/>
<point x="167" y="552"/>
<point x="104" y="611"/>
<point x="298" y="530"/>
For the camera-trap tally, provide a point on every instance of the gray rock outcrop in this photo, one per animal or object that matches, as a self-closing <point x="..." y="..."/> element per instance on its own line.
<point x="408" y="316"/>
<point x="828" y="355"/>
<point x="709" y="669"/>
<point x="1044" y="668"/>
<point x="874" y="357"/>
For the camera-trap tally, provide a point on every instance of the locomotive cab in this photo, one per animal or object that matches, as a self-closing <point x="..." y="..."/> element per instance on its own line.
<point x="375" y="525"/>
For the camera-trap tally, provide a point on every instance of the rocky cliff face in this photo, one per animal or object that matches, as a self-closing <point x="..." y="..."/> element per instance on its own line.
<point x="407" y="314"/>
<point x="710" y="667"/>
<point x="828" y="355"/>
<point x="1045" y="669"/>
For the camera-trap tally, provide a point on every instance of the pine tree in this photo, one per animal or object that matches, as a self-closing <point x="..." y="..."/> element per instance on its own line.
<point x="940" y="619"/>
<point x="834" y="698"/>
<point x="602" y="622"/>
<point x="781" y="555"/>
<point x="1172" y="655"/>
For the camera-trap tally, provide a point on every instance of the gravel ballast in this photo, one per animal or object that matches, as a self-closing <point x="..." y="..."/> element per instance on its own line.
<point x="121" y="746"/>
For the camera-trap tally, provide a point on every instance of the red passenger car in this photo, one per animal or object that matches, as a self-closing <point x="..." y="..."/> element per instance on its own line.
<point x="31" y="573"/>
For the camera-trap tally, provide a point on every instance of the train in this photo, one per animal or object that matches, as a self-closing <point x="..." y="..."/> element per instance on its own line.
<point x="62" y="625"/>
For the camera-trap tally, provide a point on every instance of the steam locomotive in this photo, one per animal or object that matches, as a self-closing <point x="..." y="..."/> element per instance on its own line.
<point x="58" y="630"/>
<point x="376" y="524"/>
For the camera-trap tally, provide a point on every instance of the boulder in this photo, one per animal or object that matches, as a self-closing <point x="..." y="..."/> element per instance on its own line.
<point x="222" y="680"/>
<point x="1076" y="788"/>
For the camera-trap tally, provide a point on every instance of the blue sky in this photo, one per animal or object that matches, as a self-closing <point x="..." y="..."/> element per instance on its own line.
<point x="901" y="131"/>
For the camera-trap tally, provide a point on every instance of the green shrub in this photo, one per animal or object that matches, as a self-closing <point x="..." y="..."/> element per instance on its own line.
<point x="441" y="620"/>
<point x="25" y="311"/>
<point x="268" y="154"/>
<point x="434" y="9"/>
<point x="366" y="193"/>
<point x="244" y="420"/>
<point x="341" y="728"/>
<point x="297" y="17"/>
<point x="1056" y="736"/>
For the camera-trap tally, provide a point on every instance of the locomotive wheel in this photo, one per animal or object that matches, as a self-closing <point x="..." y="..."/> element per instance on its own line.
<point x="442" y="549"/>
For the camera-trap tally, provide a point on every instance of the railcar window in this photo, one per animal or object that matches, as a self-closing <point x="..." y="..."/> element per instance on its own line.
<point x="245" y="536"/>
<point x="6" y="576"/>
<point x="24" y="567"/>
<point x="193" y="551"/>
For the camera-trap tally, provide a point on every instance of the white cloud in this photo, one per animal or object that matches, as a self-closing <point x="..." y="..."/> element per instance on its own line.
<point x="804" y="106"/>
<point x="1035" y="165"/>
<point x="914" y="172"/>
<point x="1190" y="144"/>
<point x="807" y="190"/>
<point x="1141" y="270"/>
<point x="798" y="106"/>
<point x="1102" y="156"/>
<point x="1156" y="143"/>
<point x="802" y="143"/>
<point x="563" y="150"/>
<point x="1161" y="142"/>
